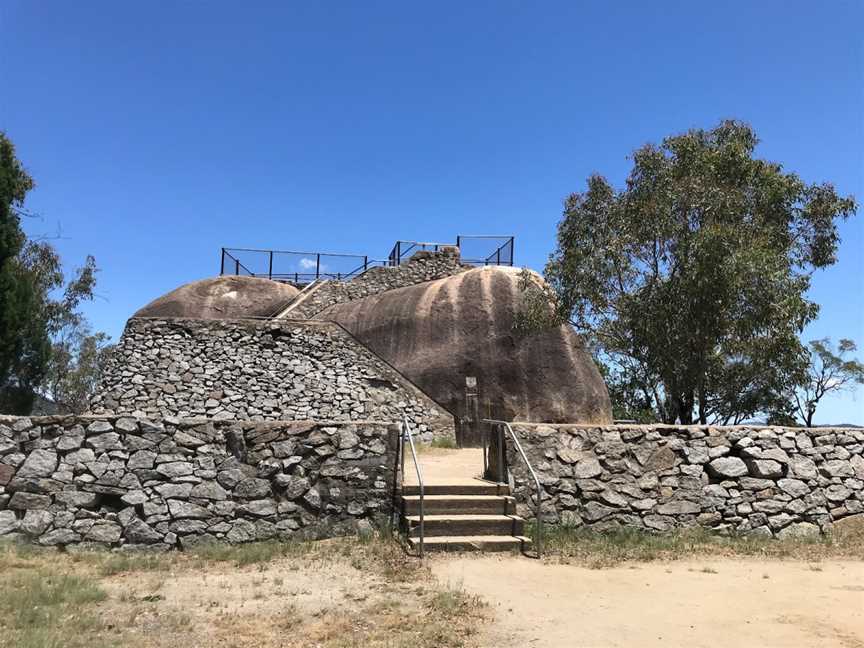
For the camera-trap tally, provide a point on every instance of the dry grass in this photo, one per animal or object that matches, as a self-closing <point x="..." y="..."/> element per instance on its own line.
<point x="611" y="548"/>
<point x="332" y="594"/>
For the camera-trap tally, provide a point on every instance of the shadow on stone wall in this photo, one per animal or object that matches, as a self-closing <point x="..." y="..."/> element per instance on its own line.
<point x="123" y="481"/>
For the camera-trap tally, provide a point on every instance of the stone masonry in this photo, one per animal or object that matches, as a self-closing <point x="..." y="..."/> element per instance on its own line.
<point x="130" y="482"/>
<point x="762" y="480"/>
<point x="422" y="267"/>
<point x="257" y="371"/>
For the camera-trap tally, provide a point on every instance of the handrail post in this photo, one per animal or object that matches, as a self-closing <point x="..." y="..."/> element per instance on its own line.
<point x="270" y="269"/>
<point x="538" y="533"/>
<point x="317" y="265"/>
<point x="222" y="263"/>
<point x="406" y="430"/>
<point x="485" y="451"/>
<point x="501" y="438"/>
<point x="236" y="266"/>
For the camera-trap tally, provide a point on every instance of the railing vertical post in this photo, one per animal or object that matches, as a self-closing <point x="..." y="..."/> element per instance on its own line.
<point x="398" y="253"/>
<point x="484" y="436"/>
<point x="236" y="266"/>
<point x="498" y="256"/>
<point x="365" y="263"/>
<point x="501" y="439"/>
<point x="459" y="242"/>
<point x="406" y="431"/>
<point x="222" y="263"/>
<point x="402" y="448"/>
<point x="270" y="269"/>
<point x="317" y="265"/>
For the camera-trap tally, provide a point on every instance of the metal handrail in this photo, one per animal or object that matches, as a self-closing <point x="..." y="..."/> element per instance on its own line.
<point x="538" y="534"/>
<point x="406" y="433"/>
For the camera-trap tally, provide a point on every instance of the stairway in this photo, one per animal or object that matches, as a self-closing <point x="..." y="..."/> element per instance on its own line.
<point x="463" y="515"/>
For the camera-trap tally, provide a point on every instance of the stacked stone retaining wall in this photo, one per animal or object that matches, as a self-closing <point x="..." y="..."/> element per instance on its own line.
<point x="257" y="370"/>
<point x="422" y="267"/>
<point x="763" y="480"/>
<point x="130" y="482"/>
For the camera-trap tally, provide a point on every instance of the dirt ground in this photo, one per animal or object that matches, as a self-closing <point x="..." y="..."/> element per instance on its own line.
<point x="347" y="593"/>
<point x="745" y="603"/>
<point x="331" y="594"/>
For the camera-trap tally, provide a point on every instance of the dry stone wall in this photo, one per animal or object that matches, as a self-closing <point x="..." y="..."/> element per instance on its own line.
<point x="422" y="267"/>
<point x="130" y="482"/>
<point x="763" y="480"/>
<point x="254" y="370"/>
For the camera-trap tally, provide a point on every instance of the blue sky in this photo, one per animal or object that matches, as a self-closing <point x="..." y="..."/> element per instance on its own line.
<point x="158" y="132"/>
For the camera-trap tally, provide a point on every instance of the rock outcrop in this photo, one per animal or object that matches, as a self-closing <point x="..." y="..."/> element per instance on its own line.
<point x="439" y="332"/>
<point x="227" y="297"/>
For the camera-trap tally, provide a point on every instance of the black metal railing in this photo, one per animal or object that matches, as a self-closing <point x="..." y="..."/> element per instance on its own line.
<point x="474" y="250"/>
<point x="486" y="250"/>
<point x="406" y="249"/>
<point x="294" y="267"/>
<point x="302" y="268"/>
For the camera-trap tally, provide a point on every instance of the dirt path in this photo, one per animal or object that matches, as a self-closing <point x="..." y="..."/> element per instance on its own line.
<point x="696" y="603"/>
<point x="446" y="466"/>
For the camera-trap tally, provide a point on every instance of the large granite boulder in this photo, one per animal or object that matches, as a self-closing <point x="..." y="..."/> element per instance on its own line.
<point x="227" y="297"/>
<point x="438" y="332"/>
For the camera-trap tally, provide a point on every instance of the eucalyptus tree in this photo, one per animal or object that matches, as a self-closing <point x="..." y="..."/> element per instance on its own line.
<point x="695" y="273"/>
<point x="45" y="343"/>
<point x="827" y="371"/>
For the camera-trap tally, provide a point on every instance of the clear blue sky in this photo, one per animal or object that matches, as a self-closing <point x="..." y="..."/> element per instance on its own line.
<point x="158" y="132"/>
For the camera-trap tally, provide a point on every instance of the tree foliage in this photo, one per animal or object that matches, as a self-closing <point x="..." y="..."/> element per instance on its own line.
<point x="827" y="371"/>
<point x="693" y="278"/>
<point x="25" y="347"/>
<point x="45" y="342"/>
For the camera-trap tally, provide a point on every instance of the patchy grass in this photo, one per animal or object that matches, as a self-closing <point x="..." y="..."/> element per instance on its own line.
<point x="332" y="593"/>
<point x="447" y="442"/>
<point x="435" y="446"/>
<point x="610" y="548"/>
<point x="46" y="609"/>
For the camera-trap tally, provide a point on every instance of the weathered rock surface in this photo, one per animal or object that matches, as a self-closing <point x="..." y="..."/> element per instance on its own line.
<point x="226" y="297"/>
<point x="439" y="332"/>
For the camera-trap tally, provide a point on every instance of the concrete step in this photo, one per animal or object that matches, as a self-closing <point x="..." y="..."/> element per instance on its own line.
<point x="459" y="505"/>
<point x="473" y="543"/>
<point x="465" y="525"/>
<point x="468" y="487"/>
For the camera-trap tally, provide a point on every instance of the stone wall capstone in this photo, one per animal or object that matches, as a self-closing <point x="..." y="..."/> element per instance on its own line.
<point x="257" y="370"/>
<point x="423" y="266"/>
<point x="762" y="480"/>
<point x="130" y="482"/>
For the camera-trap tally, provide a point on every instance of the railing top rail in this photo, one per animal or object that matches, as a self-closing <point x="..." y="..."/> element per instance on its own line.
<point x="332" y="254"/>
<point x="438" y="243"/>
<point x="503" y="237"/>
